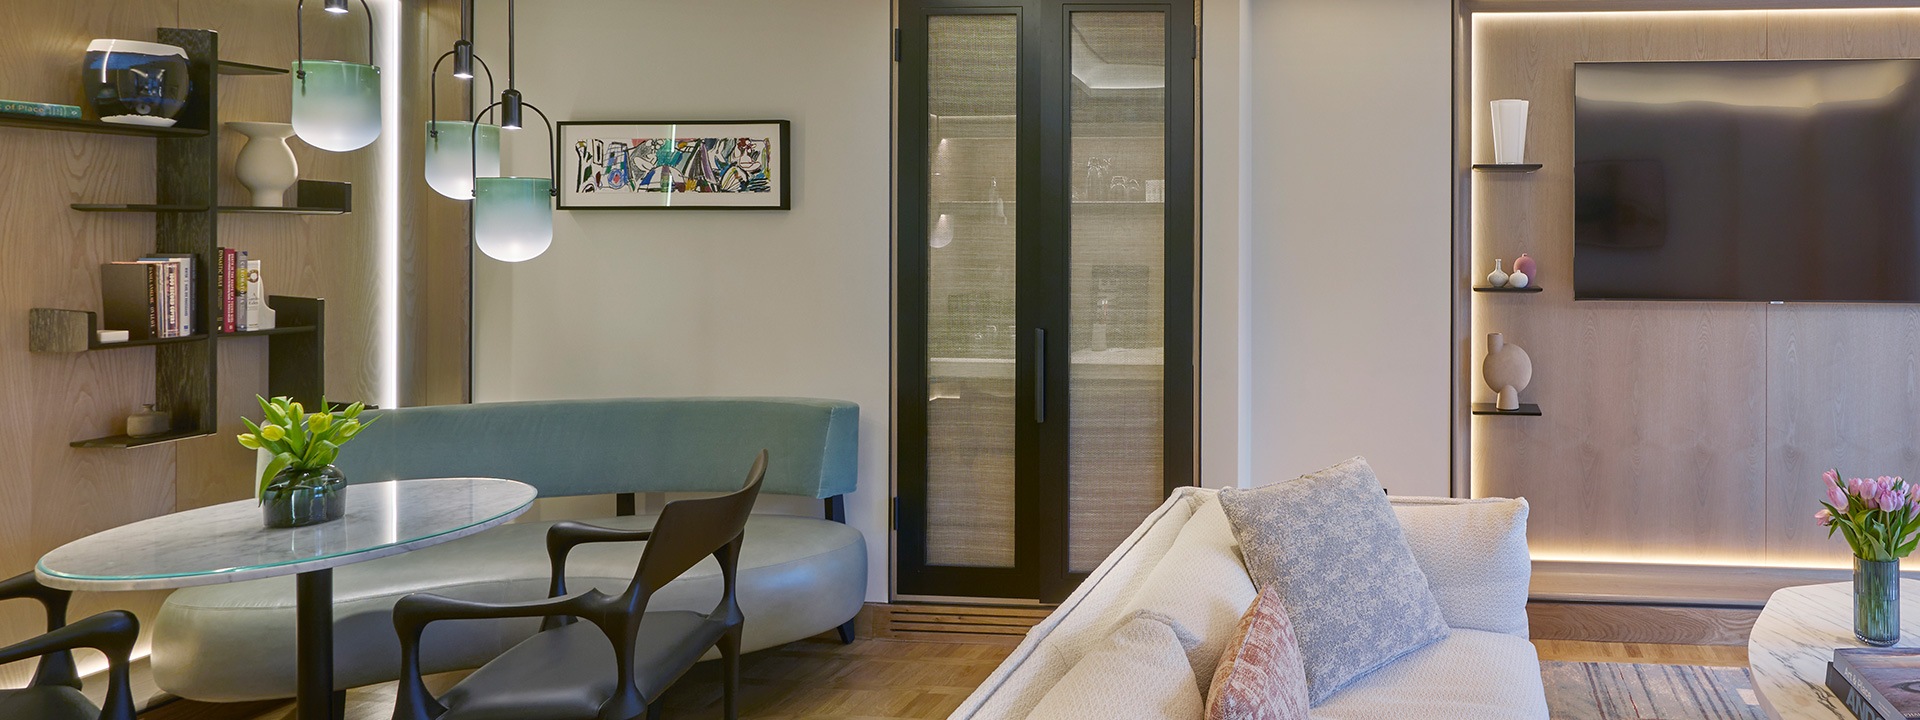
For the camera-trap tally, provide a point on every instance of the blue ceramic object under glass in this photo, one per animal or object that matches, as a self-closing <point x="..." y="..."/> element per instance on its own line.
<point x="1876" y="601"/>
<point x="297" y="498"/>
<point x="136" y="83"/>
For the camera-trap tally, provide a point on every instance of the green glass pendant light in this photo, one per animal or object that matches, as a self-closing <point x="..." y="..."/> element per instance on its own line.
<point x="336" y="105"/>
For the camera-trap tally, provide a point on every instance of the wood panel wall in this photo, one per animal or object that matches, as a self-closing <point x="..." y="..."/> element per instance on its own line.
<point x="49" y="257"/>
<point x="1692" y="432"/>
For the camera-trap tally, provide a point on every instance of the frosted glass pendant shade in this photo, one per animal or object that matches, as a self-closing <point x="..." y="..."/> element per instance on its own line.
<point x="336" y="106"/>
<point x="451" y="162"/>
<point x="512" y="217"/>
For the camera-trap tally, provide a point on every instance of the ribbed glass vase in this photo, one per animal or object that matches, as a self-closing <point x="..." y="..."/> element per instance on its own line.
<point x="1876" y="601"/>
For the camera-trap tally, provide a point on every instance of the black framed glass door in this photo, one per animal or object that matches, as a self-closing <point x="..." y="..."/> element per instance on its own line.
<point x="1046" y="287"/>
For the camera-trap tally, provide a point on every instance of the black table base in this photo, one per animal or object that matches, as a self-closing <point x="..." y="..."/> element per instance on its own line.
<point x="314" y="696"/>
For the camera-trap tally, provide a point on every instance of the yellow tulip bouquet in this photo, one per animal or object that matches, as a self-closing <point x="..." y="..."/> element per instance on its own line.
<point x="300" y="442"/>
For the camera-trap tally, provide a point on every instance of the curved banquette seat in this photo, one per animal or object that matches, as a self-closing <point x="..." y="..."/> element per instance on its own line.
<point x="798" y="576"/>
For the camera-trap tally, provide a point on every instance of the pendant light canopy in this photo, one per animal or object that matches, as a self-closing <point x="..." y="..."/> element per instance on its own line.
<point x="336" y="105"/>
<point x="513" y="216"/>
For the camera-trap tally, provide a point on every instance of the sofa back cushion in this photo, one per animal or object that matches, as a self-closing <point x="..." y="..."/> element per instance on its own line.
<point x="594" y="447"/>
<point x="1139" y="671"/>
<point x="1202" y="584"/>
<point x="1474" y="553"/>
<point x="1329" y="543"/>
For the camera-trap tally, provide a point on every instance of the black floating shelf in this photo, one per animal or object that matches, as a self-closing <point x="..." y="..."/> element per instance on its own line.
<point x="97" y="345"/>
<point x="1527" y="289"/>
<point x="283" y="210"/>
<point x="127" y="441"/>
<point x="229" y="67"/>
<point x="134" y="208"/>
<point x="95" y="126"/>
<point x="270" y="331"/>
<point x="1507" y="167"/>
<point x="1527" y="409"/>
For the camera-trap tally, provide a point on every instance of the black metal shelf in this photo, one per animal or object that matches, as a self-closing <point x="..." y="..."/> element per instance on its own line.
<point x="267" y="332"/>
<point x="230" y="67"/>
<point x="136" y="208"/>
<point x="1526" y="410"/>
<point x="128" y="441"/>
<point x="283" y="210"/>
<point x="1527" y="289"/>
<point x="97" y="127"/>
<point x="1507" y="167"/>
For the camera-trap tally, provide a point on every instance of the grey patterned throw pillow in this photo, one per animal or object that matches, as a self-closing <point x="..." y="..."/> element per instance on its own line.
<point x="1330" y="544"/>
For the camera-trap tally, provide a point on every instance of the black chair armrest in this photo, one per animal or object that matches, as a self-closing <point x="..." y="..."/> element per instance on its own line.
<point x="112" y="632"/>
<point x="562" y="538"/>
<point x="55" y="668"/>
<point x="414" y="612"/>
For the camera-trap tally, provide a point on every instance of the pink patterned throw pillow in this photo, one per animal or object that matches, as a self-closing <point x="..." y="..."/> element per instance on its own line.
<point x="1260" y="676"/>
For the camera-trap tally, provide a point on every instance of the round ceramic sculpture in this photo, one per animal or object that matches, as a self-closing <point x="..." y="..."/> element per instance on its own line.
<point x="1507" y="370"/>
<point x="1526" y="265"/>
<point x="1518" y="279"/>
<point x="136" y="83"/>
<point x="266" y="165"/>
<point x="1497" y="278"/>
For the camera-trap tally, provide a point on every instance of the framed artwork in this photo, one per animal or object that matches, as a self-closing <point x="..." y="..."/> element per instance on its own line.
<point x="674" y="165"/>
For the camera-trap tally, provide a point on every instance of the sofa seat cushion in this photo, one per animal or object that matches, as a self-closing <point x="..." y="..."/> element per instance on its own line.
<point x="1470" y="675"/>
<point x="798" y="577"/>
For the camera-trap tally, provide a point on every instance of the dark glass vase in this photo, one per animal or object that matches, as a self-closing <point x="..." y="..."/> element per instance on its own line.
<point x="297" y="498"/>
<point x="1876" y="601"/>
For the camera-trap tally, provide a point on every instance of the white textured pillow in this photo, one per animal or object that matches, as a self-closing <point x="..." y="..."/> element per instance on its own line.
<point x="1474" y="553"/>
<point x="1202" y="585"/>
<point x="1140" y="671"/>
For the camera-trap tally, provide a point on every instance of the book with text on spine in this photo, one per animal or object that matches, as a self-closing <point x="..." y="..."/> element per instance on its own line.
<point x="1887" y="678"/>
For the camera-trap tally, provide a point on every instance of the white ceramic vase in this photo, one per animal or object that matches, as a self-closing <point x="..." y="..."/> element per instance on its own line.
<point x="1507" y="370"/>
<point x="1509" y="131"/>
<point x="1497" y="278"/>
<point x="266" y="165"/>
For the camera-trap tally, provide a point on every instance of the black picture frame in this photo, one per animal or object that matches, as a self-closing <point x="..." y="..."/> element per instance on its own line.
<point x="569" y="133"/>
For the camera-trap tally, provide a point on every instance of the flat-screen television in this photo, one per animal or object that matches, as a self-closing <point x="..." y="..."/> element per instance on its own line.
<point x="1764" y="180"/>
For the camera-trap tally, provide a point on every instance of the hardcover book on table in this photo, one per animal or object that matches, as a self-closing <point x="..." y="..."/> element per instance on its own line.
<point x="1889" y="678"/>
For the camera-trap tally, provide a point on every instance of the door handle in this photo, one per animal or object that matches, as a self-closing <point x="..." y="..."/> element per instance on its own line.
<point x="1039" y="375"/>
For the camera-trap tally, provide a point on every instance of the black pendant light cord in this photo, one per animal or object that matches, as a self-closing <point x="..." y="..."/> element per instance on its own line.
<point x="553" y="154"/>
<point x="433" y="89"/>
<point x="300" y="36"/>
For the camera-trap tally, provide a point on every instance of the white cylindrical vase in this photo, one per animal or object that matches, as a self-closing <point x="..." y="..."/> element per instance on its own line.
<point x="1509" y="131"/>
<point x="266" y="165"/>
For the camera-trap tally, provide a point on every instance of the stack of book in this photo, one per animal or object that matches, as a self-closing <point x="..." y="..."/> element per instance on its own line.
<point x="1877" y="683"/>
<point x="152" y="297"/>
<point x="241" y="305"/>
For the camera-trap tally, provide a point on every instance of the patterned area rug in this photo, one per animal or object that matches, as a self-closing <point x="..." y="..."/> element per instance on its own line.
<point x="1614" y="691"/>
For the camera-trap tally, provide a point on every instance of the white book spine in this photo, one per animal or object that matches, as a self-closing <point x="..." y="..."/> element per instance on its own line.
<point x="256" y="297"/>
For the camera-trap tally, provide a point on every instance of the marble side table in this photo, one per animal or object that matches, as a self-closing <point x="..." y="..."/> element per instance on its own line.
<point x="226" y="543"/>
<point x="1794" y="639"/>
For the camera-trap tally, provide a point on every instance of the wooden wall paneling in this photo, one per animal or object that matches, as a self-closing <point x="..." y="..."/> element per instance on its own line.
<point x="434" y="245"/>
<point x="1844" y="392"/>
<point x="1640" y="623"/>
<point x="1653" y="413"/>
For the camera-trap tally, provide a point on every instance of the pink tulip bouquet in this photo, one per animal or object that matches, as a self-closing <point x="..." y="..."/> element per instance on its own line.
<point x="1878" y="516"/>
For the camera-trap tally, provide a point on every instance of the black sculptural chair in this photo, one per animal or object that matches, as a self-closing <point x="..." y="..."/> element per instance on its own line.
<point x="54" y="693"/>
<point x="615" y="665"/>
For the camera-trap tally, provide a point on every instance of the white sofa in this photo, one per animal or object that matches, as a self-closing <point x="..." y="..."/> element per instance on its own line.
<point x="1478" y="575"/>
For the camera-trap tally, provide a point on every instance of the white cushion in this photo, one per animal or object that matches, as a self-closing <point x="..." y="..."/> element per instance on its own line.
<point x="1471" y="675"/>
<point x="1140" y="671"/>
<point x="1474" y="553"/>
<point x="1202" y="584"/>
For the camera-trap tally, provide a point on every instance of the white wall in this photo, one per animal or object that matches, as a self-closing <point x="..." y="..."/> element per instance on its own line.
<point x="1351" y="260"/>
<point x="648" y="303"/>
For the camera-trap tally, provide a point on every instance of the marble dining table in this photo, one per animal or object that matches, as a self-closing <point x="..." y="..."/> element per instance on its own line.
<point x="1794" y="639"/>
<point x="228" y="543"/>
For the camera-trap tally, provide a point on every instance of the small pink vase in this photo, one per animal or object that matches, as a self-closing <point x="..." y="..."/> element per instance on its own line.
<point x="1525" y="265"/>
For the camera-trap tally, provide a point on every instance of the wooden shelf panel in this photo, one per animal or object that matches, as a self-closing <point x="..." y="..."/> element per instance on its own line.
<point x="1527" y="289"/>
<point x="1526" y="409"/>
<point x="97" y="127"/>
<point x="126" y="441"/>
<point x="1507" y="167"/>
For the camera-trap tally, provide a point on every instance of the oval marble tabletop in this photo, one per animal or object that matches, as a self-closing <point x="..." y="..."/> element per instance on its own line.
<point x="226" y="543"/>
<point x="1794" y="638"/>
